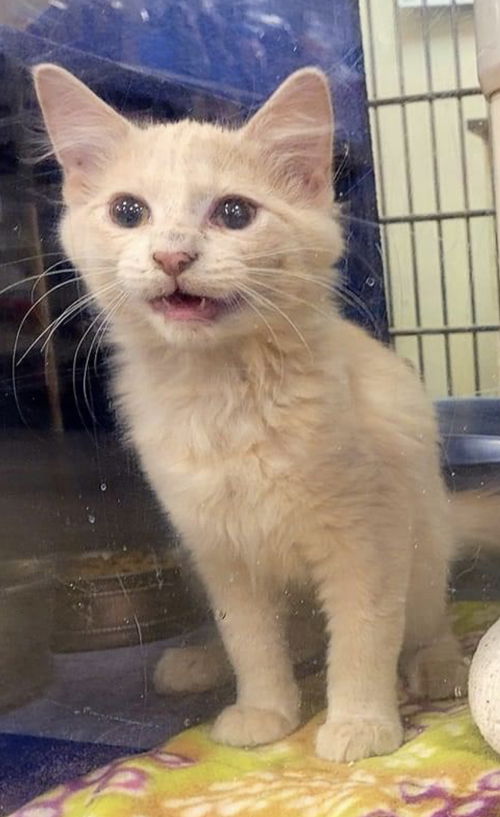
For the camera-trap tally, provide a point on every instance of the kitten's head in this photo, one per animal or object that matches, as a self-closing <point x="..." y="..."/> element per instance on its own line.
<point x="198" y="232"/>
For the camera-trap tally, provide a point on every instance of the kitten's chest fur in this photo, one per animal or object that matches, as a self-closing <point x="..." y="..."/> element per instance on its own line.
<point x="226" y="447"/>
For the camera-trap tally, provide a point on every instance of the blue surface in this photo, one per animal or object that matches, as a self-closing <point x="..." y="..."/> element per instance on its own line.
<point x="236" y="51"/>
<point x="31" y="765"/>
<point x="470" y="428"/>
<point x="99" y="706"/>
<point x="178" y="57"/>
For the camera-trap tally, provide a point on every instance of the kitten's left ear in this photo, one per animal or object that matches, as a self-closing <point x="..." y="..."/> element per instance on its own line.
<point x="83" y="129"/>
<point x="295" y="128"/>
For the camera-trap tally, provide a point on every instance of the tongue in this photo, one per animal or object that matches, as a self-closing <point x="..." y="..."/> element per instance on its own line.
<point x="183" y="307"/>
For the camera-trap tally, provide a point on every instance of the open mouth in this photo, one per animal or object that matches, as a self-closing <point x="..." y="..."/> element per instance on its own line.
<point x="181" y="306"/>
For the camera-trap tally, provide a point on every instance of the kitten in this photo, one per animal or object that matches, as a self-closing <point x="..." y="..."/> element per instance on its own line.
<point x="289" y="448"/>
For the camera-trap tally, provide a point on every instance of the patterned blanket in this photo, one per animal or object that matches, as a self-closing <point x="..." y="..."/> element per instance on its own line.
<point x="444" y="769"/>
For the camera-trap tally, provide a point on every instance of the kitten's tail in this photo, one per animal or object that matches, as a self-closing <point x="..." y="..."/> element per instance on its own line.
<point x="476" y="520"/>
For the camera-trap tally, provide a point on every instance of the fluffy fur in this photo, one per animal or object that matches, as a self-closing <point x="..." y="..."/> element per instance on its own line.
<point x="290" y="449"/>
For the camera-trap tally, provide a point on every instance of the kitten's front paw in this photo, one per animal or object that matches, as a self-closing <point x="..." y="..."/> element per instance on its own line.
<point x="249" y="726"/>
<point x="345" y="740"/>
<point x="437" y="672"/>
<point x="191" y="669"/>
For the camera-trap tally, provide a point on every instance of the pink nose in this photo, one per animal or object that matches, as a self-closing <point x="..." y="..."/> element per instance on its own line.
<point x="173" y="263"/>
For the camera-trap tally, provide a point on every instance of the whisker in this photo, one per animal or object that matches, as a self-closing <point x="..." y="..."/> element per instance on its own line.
<point x="68" y="312"/>
<point x="52" y="271"/>
<point x="75" y="306"/>
<point x="296" y="298"/>
<point x="285" y="250"/>
<point x="366" y="222"/>
<point x="269" y="327"/>
<point x="352" y="299"/>
<point x="25" y="281"/>
<point x="104" y="326"/>
<point x="46" y="274"/>
<point x="269" y="303"/>
<point x="108" y="312"/>
<point x="339" y="287"/>
<point x="99" y="338"/>
<point x="79" y="305"/>
<point x="27" y="258"/>
<point x="38" y="277"/>
<point x="281" y="273"/>
<point x="332" y="288"/>
<point x="26" y="316"/>
<point x="74" y="368"/>
<point x="339" y="167"/>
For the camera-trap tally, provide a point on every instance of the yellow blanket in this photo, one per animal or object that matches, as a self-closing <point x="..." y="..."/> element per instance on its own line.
<point x="444" y="769"/>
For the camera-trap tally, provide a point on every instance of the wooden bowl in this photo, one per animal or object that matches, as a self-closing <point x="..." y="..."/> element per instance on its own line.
<point x="105" y="599"/>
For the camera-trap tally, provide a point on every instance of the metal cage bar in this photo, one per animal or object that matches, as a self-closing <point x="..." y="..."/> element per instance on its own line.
<point x="459" y="214"/>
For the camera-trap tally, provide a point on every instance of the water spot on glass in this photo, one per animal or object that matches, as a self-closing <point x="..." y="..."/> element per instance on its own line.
<point x="220" y="615"/>
<point x="144" y="15"/>
<point x="103" y="486"/>
<point x="91" y="518"/>
<point x="187" y="722"/>
<point x="370" y="282"/>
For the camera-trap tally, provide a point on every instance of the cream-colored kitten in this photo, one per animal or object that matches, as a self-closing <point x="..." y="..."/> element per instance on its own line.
<point x="289" y="448"/>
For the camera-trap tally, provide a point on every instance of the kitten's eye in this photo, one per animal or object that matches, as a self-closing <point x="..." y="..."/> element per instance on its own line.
<point x="234" y="213"/>
<point x="128" y="211"/>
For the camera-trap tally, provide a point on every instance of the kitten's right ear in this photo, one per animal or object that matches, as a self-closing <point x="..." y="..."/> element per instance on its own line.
<point x="83" y="130"/>
<point x="295" y="131"/>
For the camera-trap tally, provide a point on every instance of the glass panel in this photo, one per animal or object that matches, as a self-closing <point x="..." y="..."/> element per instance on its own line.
<point x="214" y="488"/>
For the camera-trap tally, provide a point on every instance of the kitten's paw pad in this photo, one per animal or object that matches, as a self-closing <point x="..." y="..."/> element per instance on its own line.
<point x="190" y="669"/>
<point x="437" y="672"/>
<point x="249" y="726"/>
<point x="343" y="740"/>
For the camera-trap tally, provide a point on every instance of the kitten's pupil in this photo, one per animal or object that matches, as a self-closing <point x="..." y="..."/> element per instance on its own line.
<point x="128" y="211"/>
<point x="234" y="213"/>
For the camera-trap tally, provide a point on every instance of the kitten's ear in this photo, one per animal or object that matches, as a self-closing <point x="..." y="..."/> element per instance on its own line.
<point x="295" y="128"/>
<point x="83" y="130"/>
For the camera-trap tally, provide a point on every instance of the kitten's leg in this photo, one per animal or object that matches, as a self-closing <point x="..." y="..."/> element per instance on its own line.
<point x="195" y="668"/>
<point x="432" y="660"/>
<point x="362" y="588"/>
<point x="253" y="629"/>
<point x="200" y="667"/>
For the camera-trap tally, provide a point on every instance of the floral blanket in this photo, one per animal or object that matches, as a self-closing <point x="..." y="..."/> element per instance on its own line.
<point x="444" y="769"/>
